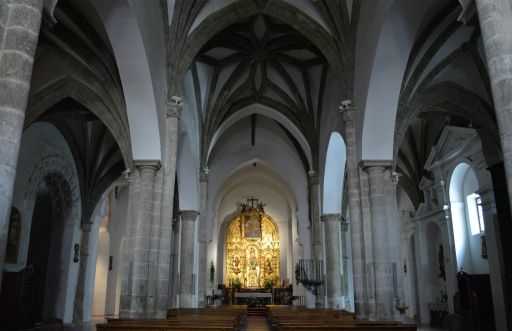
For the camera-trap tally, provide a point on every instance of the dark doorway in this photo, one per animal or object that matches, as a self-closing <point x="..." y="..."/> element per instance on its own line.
<point x="39" y="244"/>
<point x="22" y="299"/>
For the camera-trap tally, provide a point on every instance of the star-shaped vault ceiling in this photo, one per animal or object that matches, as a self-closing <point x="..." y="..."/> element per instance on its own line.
<point x="261" y="61"/>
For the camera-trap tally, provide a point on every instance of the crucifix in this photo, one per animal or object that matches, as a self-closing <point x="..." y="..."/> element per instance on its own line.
<point x="252" y="200"/>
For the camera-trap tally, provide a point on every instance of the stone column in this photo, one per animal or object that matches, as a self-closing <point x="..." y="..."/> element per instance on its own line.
<point x="381" y="253"/>
<point x="316" y="237"/>
<point x="19" y="29"/>
<point x="203" y="272"/>
<point x="495" y="18"/>
<point x="175" y="263"/>
<point x="354" y="203"/>
<point x="450" y="258"/>
<point x="135" y="287"/>
<point x="165" y="229"/>
<point x="494" y="249"/>
<point x="344" y="263"/>
<point x="78" y="309"/>
<point x="332" y="259"/>
<point x="186" y="288"/>
<point x="395" y="241"/>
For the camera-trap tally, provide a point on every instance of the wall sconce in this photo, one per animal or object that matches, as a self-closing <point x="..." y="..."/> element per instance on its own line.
<point x="77" y="249"/>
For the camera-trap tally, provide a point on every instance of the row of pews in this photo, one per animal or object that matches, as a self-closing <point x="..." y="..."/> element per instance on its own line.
<point x="211" y="318"/>
<point x="286" y="318"/>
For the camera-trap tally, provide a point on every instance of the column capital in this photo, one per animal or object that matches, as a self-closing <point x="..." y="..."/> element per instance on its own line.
<point x="344" y="224"/>
<point x="173" y="107"/>
<point x="348" y="111"/>
<point x="147" y="165"/>
<point x="395" y="177"/>
<point x="468" y="11"/>
<point x="188" y="215"/>
<point x="330" y="217"/>
<point x="373" y="165"/>
<point x="85" y="226"/>
<point x="203" y="175"/>
<point x="313" y="177"/>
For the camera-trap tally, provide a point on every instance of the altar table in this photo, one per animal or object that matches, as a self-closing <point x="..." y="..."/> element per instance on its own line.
<point x="256" y="295"/>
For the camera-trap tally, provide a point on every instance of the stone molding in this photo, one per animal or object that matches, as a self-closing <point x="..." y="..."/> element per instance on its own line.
<point x="373" y="165"/>
<point x="313" y="178"/>
<point x="203" y="176"/>
<point x="330" y="217"/>
<point x="344" y="224"/>
<point x="147" y="165"/>
<point x="348" y="112"/>
<point x="188" y="215"/>
<point x="395" y="178"/>
<point x="467" y="12"/>
<point x="174" y="107"/>
<point x="85" y="226"/>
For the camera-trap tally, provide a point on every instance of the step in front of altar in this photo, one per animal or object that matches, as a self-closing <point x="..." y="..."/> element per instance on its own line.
<point x="256" y="312"/>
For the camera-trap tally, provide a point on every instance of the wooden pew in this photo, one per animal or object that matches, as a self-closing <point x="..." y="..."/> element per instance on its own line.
<point x="226" y="318"/>
<point x="291" y="318"/>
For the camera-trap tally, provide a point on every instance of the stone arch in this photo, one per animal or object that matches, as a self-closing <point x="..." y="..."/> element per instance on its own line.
<point x="334" y="174"/>
<point x="62" y="184"/>
<point x="281" y="10"/>
<point x="70" y="87"/>
<point x="451" y="99"/>
<point x="268" y="112"/>
<point x="464" y="178"/>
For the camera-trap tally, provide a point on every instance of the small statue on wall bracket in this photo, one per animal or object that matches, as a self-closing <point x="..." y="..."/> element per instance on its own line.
<point x="484" y="247"/>
<point x="77" y="249"/>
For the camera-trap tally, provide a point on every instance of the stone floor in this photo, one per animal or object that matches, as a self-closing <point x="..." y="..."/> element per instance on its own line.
<point x="252" y="324"/>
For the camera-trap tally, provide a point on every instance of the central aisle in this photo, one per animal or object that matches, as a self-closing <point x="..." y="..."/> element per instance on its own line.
<point x="256" y="324"/>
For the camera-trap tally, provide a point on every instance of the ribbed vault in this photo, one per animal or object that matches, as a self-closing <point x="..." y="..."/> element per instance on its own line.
<point x="264" y="61"/>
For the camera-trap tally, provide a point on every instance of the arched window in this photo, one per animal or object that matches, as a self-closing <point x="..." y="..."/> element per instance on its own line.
<point x="467" y="219"/>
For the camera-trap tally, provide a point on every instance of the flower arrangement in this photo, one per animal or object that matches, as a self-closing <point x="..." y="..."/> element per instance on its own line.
<point x="236" y="284"/>
<point x="268" y="283"/>
<point x="254" y="302"/>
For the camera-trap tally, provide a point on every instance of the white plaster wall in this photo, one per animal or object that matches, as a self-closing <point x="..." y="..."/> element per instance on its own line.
<point x="187" y="170"/>
<point x="101" y="275"/>
<point x="40" y="141"/>
<point x="379" y="75"/>
<point x="278" y="170"/>
<point x="117" y="230"/>
<point x="334" y="174"/>
<point x="133" y="56"/>
<point x="97" y="219"/>
<point x="149" y="19"/>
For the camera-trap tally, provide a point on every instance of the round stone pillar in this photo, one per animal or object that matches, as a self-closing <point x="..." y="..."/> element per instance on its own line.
<point x="495" y="18"/>
<point x="135" y="278"/>
<point x="203" y="238"/>
<point x="163" y="278"/>
<point x="186" y="289"/>
<point x="316" y="234"/>
<point x="333" y="260"/>
<point x="20" y="21"/>
<point x="355" y="217"/>
<point x="383" y="267"/>
<point x="175" y="263"/>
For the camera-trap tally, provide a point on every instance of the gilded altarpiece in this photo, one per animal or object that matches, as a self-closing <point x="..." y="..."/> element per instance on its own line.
<point x="252" y="249"/>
